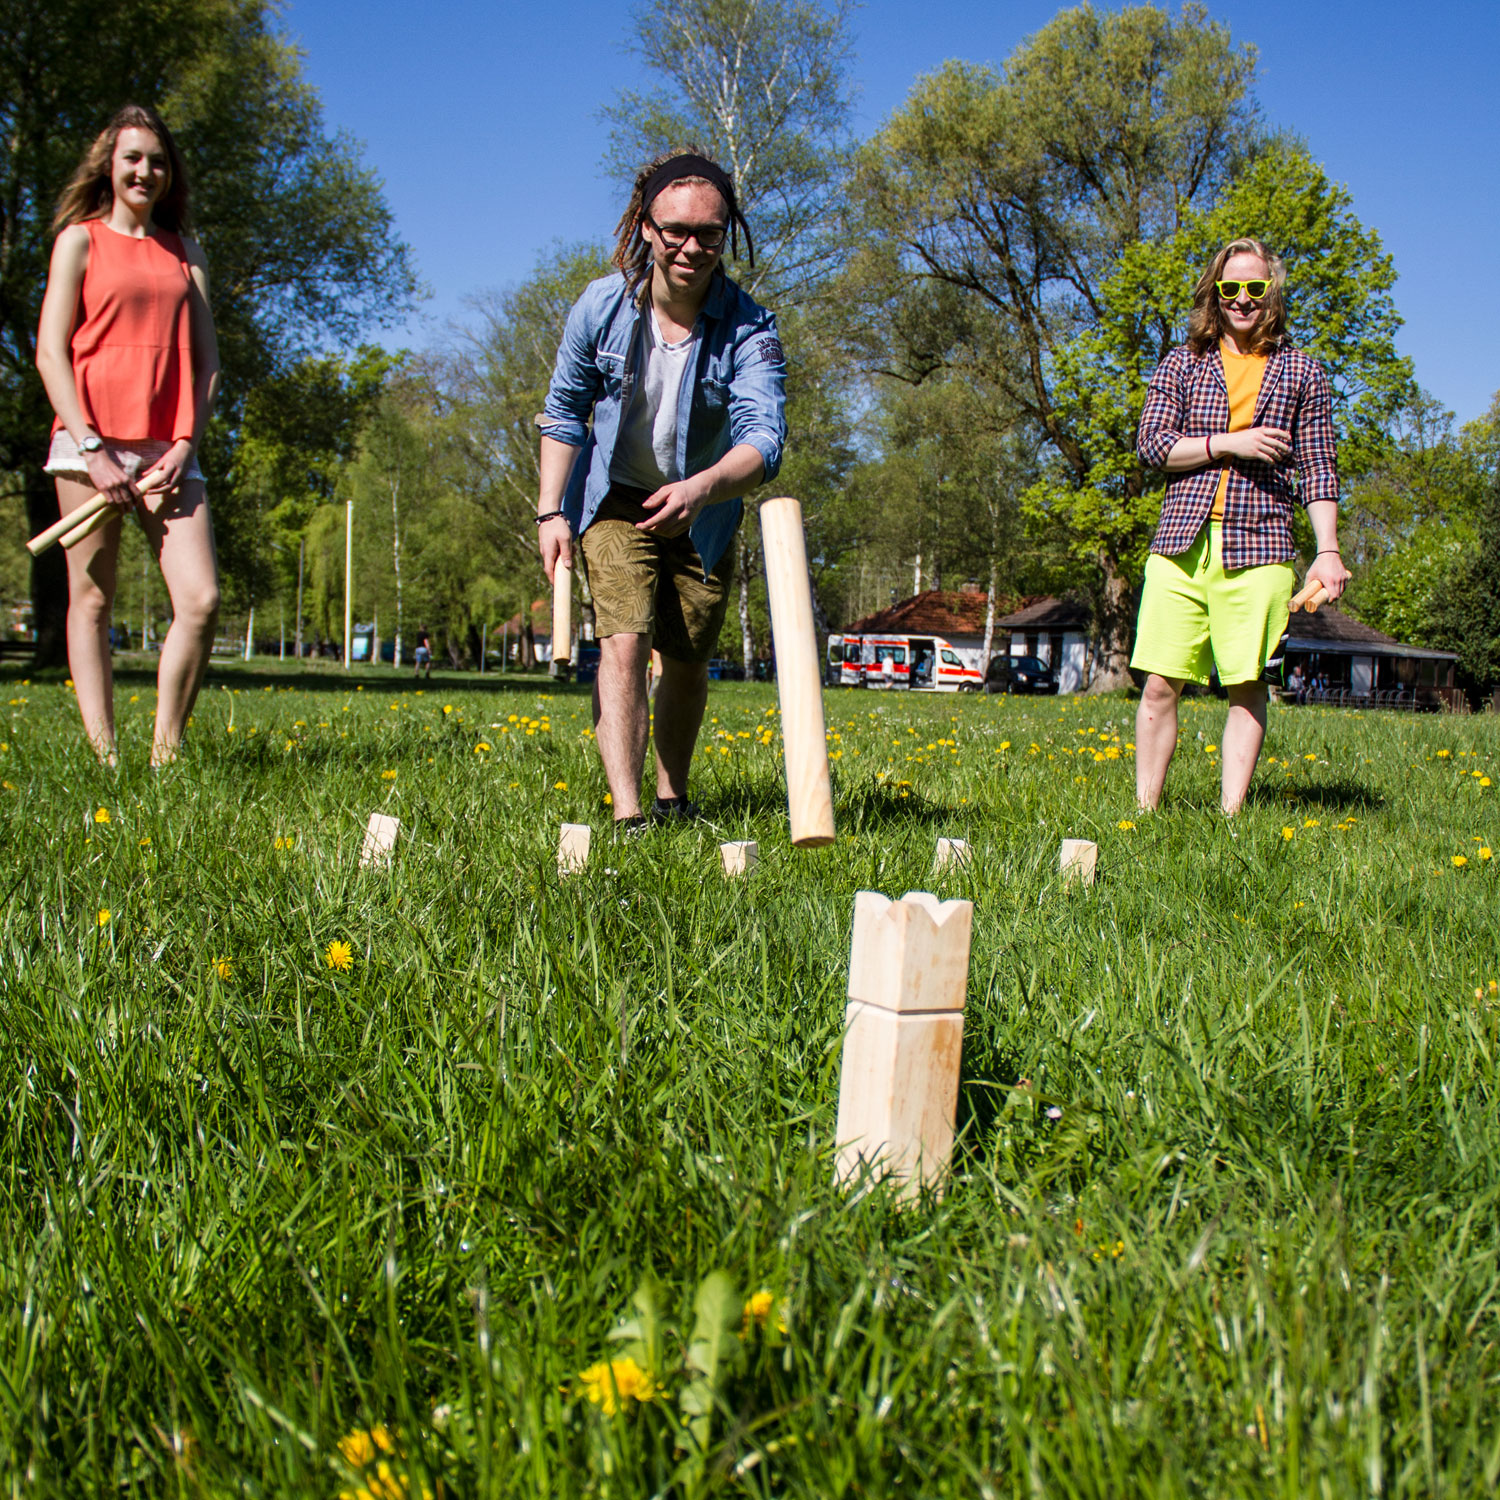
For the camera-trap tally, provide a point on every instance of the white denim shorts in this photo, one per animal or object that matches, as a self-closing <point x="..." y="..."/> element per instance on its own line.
<point x="65" y="461"/>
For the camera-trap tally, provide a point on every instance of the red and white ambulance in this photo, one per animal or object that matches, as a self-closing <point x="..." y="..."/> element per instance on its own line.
<point x="923" y="663"/>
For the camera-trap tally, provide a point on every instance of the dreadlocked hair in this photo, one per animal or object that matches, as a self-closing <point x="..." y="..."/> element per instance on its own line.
<point x="632" y="253"/>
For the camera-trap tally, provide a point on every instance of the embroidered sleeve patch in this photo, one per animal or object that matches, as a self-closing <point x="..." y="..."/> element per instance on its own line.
<point x="770" y="351"/>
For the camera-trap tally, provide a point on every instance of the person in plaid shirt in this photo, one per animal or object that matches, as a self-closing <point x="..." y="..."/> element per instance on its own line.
<point x="1243" y="424"/>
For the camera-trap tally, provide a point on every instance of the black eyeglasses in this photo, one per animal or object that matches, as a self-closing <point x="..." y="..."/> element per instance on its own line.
<point x="710" y="237"/>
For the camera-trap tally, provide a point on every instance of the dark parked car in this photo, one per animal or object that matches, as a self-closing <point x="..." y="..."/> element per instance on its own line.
<point x="1019" y="674"/>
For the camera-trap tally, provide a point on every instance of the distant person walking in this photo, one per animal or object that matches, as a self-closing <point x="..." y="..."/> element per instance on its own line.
<point x="666" y="406"/>
<point x="423" y="656"/>
<point x="127" y="352"/>
<point x="1243" y="424"/>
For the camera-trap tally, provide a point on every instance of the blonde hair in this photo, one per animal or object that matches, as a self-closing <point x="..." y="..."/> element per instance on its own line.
<point x="90" y="193"/>
<point x="1206" y="323"/>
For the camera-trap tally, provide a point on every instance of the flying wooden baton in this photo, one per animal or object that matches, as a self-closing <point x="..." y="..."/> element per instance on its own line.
<point x="799" y="684"/>
<point x="1309" y="599"/>
<point x="562" y="613"/>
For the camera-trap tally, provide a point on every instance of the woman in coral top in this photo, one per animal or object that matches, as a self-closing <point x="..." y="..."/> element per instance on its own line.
<point x="127" y="352"/>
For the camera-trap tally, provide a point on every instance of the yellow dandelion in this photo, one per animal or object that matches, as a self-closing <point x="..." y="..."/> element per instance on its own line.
<point x="145" y="843"/>
<point x="1459" y="861"/>
<point x="1288" y="833"/>
<point x="609" y="800"/>
<point x="1125" y="825"/>
<point x="9" y="786"/>
<point x="339" y="956"/>
<point x="1444" y="754"/>
<point x="1209" y="749"/>
<point x="481" y="747"/>
<point x="101" y="815"/>
<point x="559" y="786"/>
<point x="387" y="775"/>
<point x="1005" y="744"/>
<point x="1310" y="823"/>
<point x="223" y="967"/>
<point x="1485" y="852"/>
<point x="611" y="1385"/>
<point x="447" y="708"/>
<point x="1484" y="781"/>
<point x="1309" y="757"/>
<point x="104" y="916"/>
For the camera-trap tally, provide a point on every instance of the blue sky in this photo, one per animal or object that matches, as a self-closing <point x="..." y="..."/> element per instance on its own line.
<point x="482" y="120"/>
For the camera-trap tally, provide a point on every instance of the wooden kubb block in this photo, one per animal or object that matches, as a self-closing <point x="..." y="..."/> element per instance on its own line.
<point x="379" y="847"/>
<point x="903" y="1039"/>
<point x="951" y="853"/>
<point x="1077" y="861"/>
<point x="739" y="858"/>
<point x="573" y="848"/>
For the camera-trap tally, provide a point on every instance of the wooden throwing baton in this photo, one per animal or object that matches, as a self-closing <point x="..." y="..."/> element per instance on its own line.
<point x="1309" y="599"/>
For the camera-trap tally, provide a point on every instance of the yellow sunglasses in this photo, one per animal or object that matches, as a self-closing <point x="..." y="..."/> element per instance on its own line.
<point x="1255" y="289"/>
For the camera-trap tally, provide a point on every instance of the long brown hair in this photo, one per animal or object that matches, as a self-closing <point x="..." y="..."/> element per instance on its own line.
<point x="90" y="193"/>
<point x="1206" y="324"/>
<point x="632" y="253"/>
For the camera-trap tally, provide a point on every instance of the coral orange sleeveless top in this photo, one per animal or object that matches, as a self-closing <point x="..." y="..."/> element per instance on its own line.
<point x="132" y="343"/>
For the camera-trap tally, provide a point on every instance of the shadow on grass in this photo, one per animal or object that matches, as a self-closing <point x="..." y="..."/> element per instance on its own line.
<point x="1343" y="794"/>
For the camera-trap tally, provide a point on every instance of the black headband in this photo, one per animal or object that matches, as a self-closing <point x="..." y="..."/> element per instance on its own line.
<point x="689" y="164"/>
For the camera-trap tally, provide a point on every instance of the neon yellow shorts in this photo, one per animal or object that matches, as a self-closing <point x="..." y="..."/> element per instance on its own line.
<point x="1194" y="614"/>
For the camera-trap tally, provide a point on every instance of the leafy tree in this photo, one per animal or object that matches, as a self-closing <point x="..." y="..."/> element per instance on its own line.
<point x="763" y="86"/>
<point x="300" y="243"/>
<point x="1466" y="610"/>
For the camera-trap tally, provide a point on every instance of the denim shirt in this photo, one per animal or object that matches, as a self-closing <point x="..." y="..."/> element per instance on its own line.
<point x="737" y="394"/>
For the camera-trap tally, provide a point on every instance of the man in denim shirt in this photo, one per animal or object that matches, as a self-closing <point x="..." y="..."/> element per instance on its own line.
<point x="683" y="379"/>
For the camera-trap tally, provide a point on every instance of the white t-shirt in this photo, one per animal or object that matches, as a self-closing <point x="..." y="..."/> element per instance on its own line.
<point x="646" y="449"/>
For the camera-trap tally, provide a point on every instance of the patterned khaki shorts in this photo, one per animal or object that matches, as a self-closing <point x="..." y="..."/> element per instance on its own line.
<point x="647" y="585"/>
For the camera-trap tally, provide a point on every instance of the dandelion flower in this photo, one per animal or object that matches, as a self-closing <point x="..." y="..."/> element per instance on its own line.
<point x="481" y="747"/>
<point x="145" y="843"/>
<point x="1484" y="781"/>
<point x="1485" y="852"/>
<point x="104" y="916"/>
<point x="559" y="786"/>
<point x="101" y="815"/>
<point x="223" y="967"/>
<point x="609" y="801"/>
<point x="387" y="775"/>
<point x="447" y="708"/>
<point x="611" y="1385"/>
<point x="1288" y="833"/>
<point x="1125" y="825"/>
<point x="1459" y="861"/>
<point x="1209" y="749"/>
<point x="285" y="843"/>
<point x="370" y="1453"/>
<point x="759" y="1310"/>
<point x="339" y="956"/>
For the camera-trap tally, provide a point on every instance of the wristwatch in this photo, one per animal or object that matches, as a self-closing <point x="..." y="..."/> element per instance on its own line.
<point x="91" y="444"/>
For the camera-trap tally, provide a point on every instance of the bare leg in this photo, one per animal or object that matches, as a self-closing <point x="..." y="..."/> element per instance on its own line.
<point x="181" y="536"/>
<point x="620" y="719"/>
<point x="91" y="598"/>
<point x="1155" y="737"/>
<point x="1244" y="734"/>
<point x="681" y="697"/>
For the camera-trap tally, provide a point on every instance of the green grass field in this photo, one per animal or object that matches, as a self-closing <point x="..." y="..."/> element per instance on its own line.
<point x="1223" y="1215"/>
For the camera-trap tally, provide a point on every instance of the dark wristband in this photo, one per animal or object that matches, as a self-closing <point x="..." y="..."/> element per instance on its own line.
<point x="550" y="515"/>
<point x="1328" y="552"/>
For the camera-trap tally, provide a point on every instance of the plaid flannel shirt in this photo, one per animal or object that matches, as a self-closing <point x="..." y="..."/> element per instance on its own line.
<point x="1188" y="398"/>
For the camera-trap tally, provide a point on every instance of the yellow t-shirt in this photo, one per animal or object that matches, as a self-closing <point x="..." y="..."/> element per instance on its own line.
<point x="1242" y="376"/>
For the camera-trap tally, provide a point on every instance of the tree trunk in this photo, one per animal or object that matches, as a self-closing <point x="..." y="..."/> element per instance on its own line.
<point x="989" y="615"/>
<point x="747" y="639"/>
<point x="916" y="577"/>
<point x="49" y="577"/>
<point x="528" y="644"/>
<point x="1113" y="624"/>
<point x="396" y="560"/>
<point x="301" y="561"/>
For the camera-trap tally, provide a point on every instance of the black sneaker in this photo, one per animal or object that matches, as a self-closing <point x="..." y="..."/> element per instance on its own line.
<point x="675" y="810"/>
<point x="632" y="827"/>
